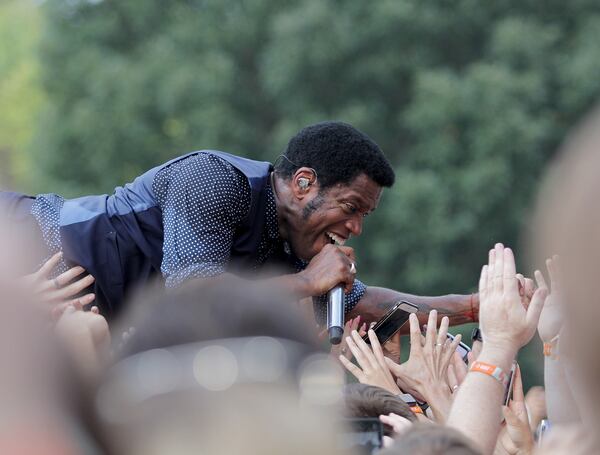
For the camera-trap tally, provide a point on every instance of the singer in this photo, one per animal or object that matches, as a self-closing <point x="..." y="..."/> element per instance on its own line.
<point x="208" y="213"/>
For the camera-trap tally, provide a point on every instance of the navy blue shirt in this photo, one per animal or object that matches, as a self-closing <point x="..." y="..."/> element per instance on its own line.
<point x="203" y="199"/>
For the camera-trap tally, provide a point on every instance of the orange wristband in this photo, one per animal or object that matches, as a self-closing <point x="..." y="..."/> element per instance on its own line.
<point x="490" y="370"/>
<point x="549" y="347"/>
<point x="416" y="409"/>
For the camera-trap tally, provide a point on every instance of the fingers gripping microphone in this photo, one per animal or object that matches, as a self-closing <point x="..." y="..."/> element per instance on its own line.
<point x="335" y="314"/>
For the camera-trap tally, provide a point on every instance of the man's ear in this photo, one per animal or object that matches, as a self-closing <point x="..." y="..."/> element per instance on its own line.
<point x="304" y="182"/>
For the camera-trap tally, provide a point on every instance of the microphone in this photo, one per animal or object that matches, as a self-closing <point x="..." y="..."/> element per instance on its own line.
<point x="335" y="314"/>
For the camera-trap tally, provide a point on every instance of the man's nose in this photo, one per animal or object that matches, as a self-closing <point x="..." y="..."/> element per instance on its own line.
<point x="354" y="225"/>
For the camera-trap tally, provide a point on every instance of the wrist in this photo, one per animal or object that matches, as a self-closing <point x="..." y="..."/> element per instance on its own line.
<point x="498" y="355"/>
<point x="300" y="284"/>
<point x="436" y="392"/>
<point x="474" y="307"/>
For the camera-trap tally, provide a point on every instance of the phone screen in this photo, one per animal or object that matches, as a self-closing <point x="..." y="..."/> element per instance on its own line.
<point x="389" y="324"/>
<point x="462" y="348"/>
<point x="363" y="435"/>
<point x="509" y="387"/>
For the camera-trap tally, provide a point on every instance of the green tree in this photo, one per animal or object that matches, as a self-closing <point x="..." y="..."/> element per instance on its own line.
<point x="468" y="99"/>
<point x="20" y="91"/>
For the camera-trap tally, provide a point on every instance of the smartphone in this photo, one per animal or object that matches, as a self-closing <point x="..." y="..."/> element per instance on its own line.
<point x="362" y="435"/>
<point x="508" y="393"/>
<point x="391" y="322"/>
<point x="462" y="348"/>
<point x="541" y="431"/>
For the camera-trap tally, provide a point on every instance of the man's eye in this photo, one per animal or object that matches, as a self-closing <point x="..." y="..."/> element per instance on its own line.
<point x="350" y="208"/>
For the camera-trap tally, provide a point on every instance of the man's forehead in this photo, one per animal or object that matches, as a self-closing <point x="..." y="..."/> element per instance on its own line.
<point x="362" y="189"/>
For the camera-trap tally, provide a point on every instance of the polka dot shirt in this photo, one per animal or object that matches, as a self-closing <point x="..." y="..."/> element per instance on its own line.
<point x="204" y="199"/>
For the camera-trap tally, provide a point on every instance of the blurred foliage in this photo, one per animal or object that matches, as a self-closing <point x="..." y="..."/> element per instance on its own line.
<point x="20" y="92"/>
<point x="469" y="100"/>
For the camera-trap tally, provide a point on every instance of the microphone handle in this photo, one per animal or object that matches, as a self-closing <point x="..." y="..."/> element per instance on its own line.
<point x="335" y="314"/>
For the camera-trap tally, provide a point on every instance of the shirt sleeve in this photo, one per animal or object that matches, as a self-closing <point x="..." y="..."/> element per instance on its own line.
<point x="203" y="199"/>
<point x="352" y="298"/>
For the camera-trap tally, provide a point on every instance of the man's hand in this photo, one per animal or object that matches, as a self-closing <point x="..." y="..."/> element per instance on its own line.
<point x="424" y="375"/>
<point x="551" y="319"/>
<point x="332" y="266"/>
<point x="373" y="369"/>
<point x="505" y="323"/>
<point x="60" y="291"/>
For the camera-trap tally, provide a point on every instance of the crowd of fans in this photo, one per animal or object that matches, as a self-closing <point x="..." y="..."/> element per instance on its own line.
<point x="226" y="366"/>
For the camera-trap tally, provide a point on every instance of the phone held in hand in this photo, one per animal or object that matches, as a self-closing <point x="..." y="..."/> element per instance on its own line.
<point x="362" y="435"/>
<point x="508" y="393"/>
<point x="541" y="430"/>
<point x="392" y="321"/>
<point x="462" y="348"/>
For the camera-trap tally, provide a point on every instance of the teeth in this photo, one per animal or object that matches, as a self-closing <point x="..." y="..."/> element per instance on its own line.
<point x="338" y="240"/>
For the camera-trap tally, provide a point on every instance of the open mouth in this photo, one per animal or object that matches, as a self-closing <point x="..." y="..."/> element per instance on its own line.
<point x="338" y="240"/>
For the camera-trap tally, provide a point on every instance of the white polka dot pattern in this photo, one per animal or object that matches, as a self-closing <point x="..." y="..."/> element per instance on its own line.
<point x="203" y="199"/>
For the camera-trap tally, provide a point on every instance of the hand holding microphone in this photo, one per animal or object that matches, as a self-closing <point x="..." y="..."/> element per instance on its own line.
<point x="332" y="266"/>
<point x="333" y="271"/>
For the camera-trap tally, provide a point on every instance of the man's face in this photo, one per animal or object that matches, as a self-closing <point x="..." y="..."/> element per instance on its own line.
<point x="336" y="213"/>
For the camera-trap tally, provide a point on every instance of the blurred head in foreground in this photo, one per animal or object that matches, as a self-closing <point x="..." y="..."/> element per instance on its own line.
<point x="40" y="397"/>
<point x="567" y="223"/>
<point x="363" y="400"/>
<point x="431" y="439"/>
<point x="220" y="366"/>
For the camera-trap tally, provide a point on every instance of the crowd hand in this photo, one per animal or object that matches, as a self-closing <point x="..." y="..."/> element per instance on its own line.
<point x="60" y="291"/>
<point x="399" y="424"/>
<point x="515" y="437"/>
<point x="372" y="368"/>
<point x="392" y="348"/>
<point x="551" y="318"/>
<point x="86" y="337"/>
<point x="571" y="440"/>
<point x="330" y="267"/>
<point x="526" y="289"/>
<point x="475" y="351"/>
<point x="535" y="401"/>
<point x="457" y="372"/>
<point x="424" y="375"/>
<point x="504" y="322"/>
<point x="342" y="348"/>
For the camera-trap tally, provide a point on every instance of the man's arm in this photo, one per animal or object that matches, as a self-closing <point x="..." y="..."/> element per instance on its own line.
<point x="460" y="309"/>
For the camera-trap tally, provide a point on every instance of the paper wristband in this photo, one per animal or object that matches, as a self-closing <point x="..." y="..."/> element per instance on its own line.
<point x="416" y="409"/>
<point x="549" y="346"/>
<point x="491" y="370"/>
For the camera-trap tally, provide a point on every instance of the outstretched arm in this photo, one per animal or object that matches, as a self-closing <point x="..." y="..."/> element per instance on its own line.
<point x="460" y="309"/>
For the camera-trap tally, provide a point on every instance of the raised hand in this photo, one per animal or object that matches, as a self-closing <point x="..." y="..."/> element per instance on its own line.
<point x="399" y="424"/>
<point x="424" y="375"/>
<point x="342" y="348"/>
<point x="552" y="315"/>
<point x="60" y="292"/>
<point x="371" y="369"/>
<point x="86" y="337"/>
<point x="515" y="436"/>
<point x="504" y="322"/>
